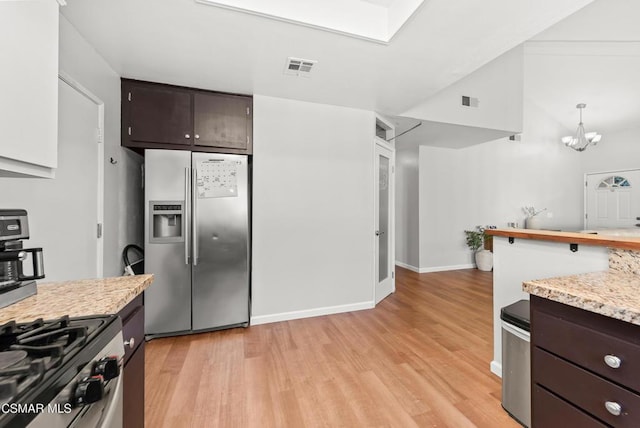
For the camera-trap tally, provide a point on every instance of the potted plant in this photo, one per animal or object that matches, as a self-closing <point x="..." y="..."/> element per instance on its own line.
<point x="475" y="241"/>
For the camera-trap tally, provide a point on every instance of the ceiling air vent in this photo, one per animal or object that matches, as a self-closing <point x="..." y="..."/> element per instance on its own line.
<point x="299" y="66"/>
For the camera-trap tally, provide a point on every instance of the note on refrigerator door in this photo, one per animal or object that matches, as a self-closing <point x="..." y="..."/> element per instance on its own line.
<point x="217" y="178"/>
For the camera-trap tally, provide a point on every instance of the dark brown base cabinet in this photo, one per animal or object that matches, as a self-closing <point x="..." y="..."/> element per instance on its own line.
<point x="585" y="368"/>
<point x="159" y="116"/>
<point x="133" y="383"/>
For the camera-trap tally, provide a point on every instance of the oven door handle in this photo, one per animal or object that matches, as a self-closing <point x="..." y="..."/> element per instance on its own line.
<point x="112" y="414"/>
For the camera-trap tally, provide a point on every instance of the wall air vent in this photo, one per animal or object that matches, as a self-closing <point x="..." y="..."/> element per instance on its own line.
<point x="470" y="101"/>
<point x="299" y="66"/>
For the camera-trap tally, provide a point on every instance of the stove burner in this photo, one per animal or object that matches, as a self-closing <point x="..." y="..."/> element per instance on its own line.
<point x="29" y="351"/>
<point x="9" y="358"/>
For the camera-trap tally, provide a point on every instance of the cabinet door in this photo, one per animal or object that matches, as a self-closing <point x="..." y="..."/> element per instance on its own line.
<point x="29" y="87"/>
<point x="133" y="391"/>
<point x="159" y="114"/>
<point x="222" y="121"/>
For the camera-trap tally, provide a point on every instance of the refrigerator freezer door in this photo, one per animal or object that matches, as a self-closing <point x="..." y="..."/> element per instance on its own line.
<point x="221" y="218"/>
<point x="167" y="185"/>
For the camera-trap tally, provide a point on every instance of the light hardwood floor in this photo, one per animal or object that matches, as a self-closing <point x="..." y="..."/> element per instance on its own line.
<point x="420" y="358"/>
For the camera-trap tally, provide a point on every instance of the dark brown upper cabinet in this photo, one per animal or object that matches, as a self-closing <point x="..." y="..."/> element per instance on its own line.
<point x="158" y="116"/>
<point x="222" y="120"/>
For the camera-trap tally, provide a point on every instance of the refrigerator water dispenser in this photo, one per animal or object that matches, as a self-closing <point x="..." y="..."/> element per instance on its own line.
<point x="166" y="221"/>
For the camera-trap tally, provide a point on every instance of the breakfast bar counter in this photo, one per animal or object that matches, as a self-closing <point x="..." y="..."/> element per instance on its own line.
<point x="601" y="238"/>
<point x="77" y="298"/>
<point x="532" y="256"/>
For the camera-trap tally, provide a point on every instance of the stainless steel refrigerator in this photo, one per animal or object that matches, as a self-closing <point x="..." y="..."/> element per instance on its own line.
<point x="197" y="241"/>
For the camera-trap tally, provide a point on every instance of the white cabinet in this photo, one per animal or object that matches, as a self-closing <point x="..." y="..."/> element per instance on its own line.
<point x="28" y="87"/>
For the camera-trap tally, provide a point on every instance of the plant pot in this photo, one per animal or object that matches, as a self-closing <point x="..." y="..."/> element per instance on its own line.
<point x="532" y="223"/>
<point x="484" y="260"/>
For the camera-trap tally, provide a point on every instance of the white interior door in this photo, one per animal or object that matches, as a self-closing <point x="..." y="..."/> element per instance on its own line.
<point x="384" y="221"/>
<point x="612" y="200"/>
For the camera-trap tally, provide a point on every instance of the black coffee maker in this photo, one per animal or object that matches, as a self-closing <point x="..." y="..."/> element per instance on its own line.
<point x="15" y="284"/>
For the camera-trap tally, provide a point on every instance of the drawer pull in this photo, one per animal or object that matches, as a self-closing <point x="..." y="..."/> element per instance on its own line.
<point x="130" y="343"/>
<point x="614" y="408"/>
<point x="612" y="361"/>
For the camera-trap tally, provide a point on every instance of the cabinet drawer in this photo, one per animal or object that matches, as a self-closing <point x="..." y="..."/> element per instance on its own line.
<point x="126" y="312"/>
<point x="549" y="411"/>
<point x="584" y="389"/>
<point x="133" y="328"/>
<point x="587" y="348"/>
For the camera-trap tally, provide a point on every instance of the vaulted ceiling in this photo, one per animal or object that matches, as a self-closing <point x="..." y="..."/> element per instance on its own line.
<point x="191" y="44"/>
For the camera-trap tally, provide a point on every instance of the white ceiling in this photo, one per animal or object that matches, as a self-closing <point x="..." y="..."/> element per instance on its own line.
<point x="591" y="57"/>
<point x="376" y="21"/>
<point x="186" y="43"/>
<point x="602" y="20"/>
<point x="384" y="3"/>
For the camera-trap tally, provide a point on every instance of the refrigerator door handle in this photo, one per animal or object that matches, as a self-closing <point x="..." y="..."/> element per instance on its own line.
<point x="194" y="208"/>
<point x="187" y="217"/>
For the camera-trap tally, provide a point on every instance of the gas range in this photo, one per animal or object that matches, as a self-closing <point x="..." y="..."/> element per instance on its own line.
<point x="61" y="373"/>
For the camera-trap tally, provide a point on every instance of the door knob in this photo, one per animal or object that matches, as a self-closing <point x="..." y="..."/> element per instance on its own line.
<point x="377" y="233"/>
<point x="187" y="136"/>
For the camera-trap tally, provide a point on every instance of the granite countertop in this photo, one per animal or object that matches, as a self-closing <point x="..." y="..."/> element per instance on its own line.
<point x="612" y="293"/>
<point x="77" y="298"/>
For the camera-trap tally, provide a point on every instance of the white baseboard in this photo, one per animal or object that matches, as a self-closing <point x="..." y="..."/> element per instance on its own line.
<point x="445" y="268"/>
<point x="308" y="313"/>
<point x="406" y="266"/>
<point x="496" y="368"/>
<point x="435" y="268"/>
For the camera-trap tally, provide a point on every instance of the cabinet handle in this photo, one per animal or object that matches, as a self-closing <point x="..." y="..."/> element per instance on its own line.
<point x="187" y="136"/>
<point x="614" y="408"/>
<point x="197" y="136"/>
<point x="130" y="343"/>
<point x="612" y="361"/>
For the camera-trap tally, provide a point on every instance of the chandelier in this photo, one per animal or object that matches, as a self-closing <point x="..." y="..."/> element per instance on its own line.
<point x="582" y="139"/>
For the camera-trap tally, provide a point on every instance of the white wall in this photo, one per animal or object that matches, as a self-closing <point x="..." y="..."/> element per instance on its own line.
<point x="489" y="183"/>
<point x="497" y="85"/>
<point x="313" y="241"/>
<point x="407" y="210"/>
<point x="618" y="151"/>
<point x="122" y="223"/>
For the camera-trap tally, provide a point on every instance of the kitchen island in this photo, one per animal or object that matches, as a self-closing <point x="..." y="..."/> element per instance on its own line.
<point x="585" y="346"/>
<point x="120" y="295"/>
<point x="523" y="254"/>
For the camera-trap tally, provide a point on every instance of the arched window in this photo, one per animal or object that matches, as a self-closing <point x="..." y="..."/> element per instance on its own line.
<point x="613" y="182"/>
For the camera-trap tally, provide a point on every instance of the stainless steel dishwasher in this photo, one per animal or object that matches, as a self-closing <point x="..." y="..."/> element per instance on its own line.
<point x="516" y="361"/>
